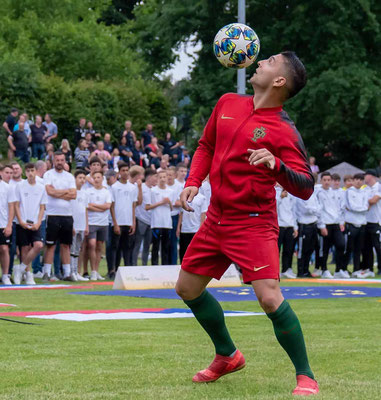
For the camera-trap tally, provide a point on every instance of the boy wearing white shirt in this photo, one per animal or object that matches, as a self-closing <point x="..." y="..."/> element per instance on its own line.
<point x="181" y="173"/>
<point x="356" y="206"/>
<point x="177" y="188"/>
<point x="161" y="202"/>
<point x="206" y="190"/>
<point x="99" y="204"/>
<point x="30" y="204"/>
<point x="61" y="189"/>
<point x="190" y="222"/>
<point x="80" y="226"/>
<point x="6" y="219"/>
<point x="143" y="219"/>
<point x="124" y="200"/>
<point x="288" y="230"/>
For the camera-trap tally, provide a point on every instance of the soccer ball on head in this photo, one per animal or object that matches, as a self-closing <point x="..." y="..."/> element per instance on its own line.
<point x="236" y="46"/>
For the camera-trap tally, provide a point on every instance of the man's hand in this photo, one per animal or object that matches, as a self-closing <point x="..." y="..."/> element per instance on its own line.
<point x="132" y="229"/>
<point x="139" y="182"/>
<point x="295" y="234"/>
<point x="178" y="233"/>
<point x="86" y="231"/>
<point x="342" y="228"/>
<point x="24" y="225"/>
<point x="35" y="227"/>
<point x="166" y="200"/>
<point x="261" y="156"/>
<point x="7" y="231"/>
<point x="187" y="195"/>
<point x="117" y="229"/>
<point x="324" y="231"/>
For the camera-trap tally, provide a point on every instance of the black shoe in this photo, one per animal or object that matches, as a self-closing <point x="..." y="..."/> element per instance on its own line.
<point x="111" y="275"/>
<point x="86" y="275"/>
<point x="307" y="275"/>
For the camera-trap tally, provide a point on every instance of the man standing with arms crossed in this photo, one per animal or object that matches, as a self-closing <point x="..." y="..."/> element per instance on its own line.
<point x="249" y="143"/>
<point x="60" y="188"/>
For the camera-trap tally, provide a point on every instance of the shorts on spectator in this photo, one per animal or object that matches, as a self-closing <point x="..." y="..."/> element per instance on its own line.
<point x="59" y="228"/>
<point x="77" y="243"/>
<point x="26" y="237"/>
<point x="98" y="232"/>
<point x="4" y="239"/>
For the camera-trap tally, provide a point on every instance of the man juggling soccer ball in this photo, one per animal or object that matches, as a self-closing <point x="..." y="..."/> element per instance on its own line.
<point x="248" y="144"/>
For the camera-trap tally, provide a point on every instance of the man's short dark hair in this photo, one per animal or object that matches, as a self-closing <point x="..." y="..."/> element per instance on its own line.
<point x="79" y="172"/>
<point x="336" y="177"/>
<point x="30" y="165"/>
<point x="14" y="109"/>
<point x="122" y="164"/>
<point x="149" y="172"/>
<point x="297" y="71"/>
<point x="180" y="165"/>
<point x="359" y="176"/>
<point x="325" y="174"/>
<point x="94" y="160"/>
<point x="58" y="153"/>
<point x="347" y="177"/>
<point x="98" y="172"/>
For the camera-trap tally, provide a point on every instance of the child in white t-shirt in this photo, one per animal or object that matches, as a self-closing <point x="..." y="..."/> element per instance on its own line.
<point x="80" y="224"/>
<point x="161" y="202"/>
<point x="190" y="222"/>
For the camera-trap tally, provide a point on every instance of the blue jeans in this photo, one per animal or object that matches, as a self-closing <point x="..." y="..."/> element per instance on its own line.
<point x="173" y="241"/>
<point x="36" y="263"/>
<point x="22" y="155"/>
<point x="38" y="150"/>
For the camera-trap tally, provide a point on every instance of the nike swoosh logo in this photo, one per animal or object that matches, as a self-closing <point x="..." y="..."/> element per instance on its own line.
<point x="223" y="117"/>
<point x="258" y="268"/>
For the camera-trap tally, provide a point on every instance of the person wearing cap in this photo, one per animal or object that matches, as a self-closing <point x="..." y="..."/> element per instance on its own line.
<point x="372" y="229"/>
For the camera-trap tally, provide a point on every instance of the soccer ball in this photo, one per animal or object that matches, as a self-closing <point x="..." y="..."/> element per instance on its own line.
<point x="236" y="46"/>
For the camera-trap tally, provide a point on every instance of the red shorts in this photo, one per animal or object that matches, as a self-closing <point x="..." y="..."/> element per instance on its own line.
<point x="253" y="248"/>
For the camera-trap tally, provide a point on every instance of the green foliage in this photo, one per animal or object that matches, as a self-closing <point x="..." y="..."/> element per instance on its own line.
<point x="339" y="42"/>
<point x="61" y="57"/>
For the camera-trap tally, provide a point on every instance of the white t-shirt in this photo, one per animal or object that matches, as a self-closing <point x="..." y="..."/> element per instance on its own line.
<point x="206" y="190"/>
<point x="123" y="196"/>
<point x="177" y="188"/>
<point x="6" y="197"/>
<point x="99" y="196"/>
<point x="12" y="186"/>
<point x="192" y="220"/>
<point x="79" y="206"/>
<point x="141" y="213"/>
<point x="30" y="197"/>
<point x="59" y="180"/>
<point x="161" y="215"/>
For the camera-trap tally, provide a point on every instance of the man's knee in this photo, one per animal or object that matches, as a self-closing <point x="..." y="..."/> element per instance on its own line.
<point x="270" y="301"/>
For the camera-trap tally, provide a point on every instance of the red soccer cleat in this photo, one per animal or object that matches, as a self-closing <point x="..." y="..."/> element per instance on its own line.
<point x="305" y="386"/>
<point x="220" y="366"/>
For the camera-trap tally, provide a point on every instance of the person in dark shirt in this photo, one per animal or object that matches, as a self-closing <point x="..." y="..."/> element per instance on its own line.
<point x="89" y="143"/>
<point x="38" y="132"/>
<point x="129" y="133"/>
<point x="107" y="143"/>
<point x="19" y="143"/>
<point x="138" y="155"/>
<point x="80" y="130"/>
<point x="90" y="129"/>
<point x="9" y="124"/>
<point x="169" y="144"/>
<point x="124" y="150"/>
<point x="147" y="135"/>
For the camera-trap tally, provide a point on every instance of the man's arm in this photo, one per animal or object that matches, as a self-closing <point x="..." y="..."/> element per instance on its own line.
<point x="152" y="206"/>
<point x="374" y="200"/>
<point x="140" y="193"/>
<point x="10" y="142"/>
<point x="57" y="193"/>
<point x="99" y="207"/>
<point x="71" y="195"/>
<point x="6" y="127"/>
<point x="133" y="226"/>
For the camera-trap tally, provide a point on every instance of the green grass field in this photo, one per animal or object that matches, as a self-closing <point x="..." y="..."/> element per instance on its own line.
<point x="156" y="359"/>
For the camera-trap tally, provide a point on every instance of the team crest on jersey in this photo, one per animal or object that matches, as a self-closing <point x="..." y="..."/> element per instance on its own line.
<point x="258" y="133"/>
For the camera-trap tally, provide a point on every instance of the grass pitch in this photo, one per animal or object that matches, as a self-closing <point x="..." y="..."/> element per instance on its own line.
<point x="156" y="359"/>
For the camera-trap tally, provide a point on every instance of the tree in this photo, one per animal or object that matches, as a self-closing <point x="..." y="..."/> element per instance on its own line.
<point x="337" y="113"/>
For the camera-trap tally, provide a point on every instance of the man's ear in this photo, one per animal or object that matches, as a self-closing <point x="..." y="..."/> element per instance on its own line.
<point x="279" y="81"/>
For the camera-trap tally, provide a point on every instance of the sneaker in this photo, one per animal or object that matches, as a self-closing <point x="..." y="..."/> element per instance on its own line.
<point x="86" y="275"/>
<point x="288" y="274"/>
<point x="346" y="273"/>
<point x="73" y="277"/>
<point x="366" y="274"/>
<point x="220" y="366"/>
<point x="81" y="278"/>
<point x="316" y="273"/>
<point x="67" y="278"/>
<point x="54" y="278"/>
<point x="5" y="280"/>
<point x="355" y="274"/>
<point x="326" y="275"/>
<point x="29" y="278"/>
<point x="93" y="276"/>
<point x="339" y="275"/>
<point x="46" y="277"/>
<point x="17" y="274"/>
<point x="99" y="276"/>
<point x="305" y="386"/>
<point x="38" y="275"/>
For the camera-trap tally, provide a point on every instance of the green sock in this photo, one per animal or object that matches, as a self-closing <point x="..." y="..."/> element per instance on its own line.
<point x="210" y="315"/>
<point x="290" y="336"/>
